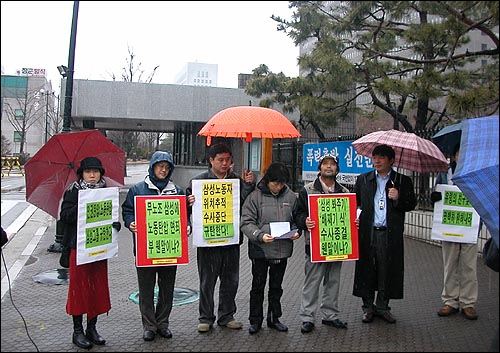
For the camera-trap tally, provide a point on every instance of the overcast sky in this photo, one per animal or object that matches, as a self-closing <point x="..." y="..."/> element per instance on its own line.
<point x="238" y="36"/>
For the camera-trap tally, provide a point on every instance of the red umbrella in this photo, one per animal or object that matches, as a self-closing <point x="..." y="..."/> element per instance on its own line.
<point x="248" y="122"/>
<point x="412" y="152"/>
<point x="53" y="168"/>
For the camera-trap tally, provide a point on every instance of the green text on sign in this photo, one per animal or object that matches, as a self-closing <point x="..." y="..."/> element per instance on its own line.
<point x="99" y="211"/>
<point x="97" y="236"/>
<point x="334" y="226"/>
<point x="218" y="231"/>
<point x="457" y="218"/>
<point x="455" y="198"/>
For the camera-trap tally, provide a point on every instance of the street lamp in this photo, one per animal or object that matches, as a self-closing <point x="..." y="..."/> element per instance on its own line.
<point x="46" y="94"/>
<point x="63" y="70"/>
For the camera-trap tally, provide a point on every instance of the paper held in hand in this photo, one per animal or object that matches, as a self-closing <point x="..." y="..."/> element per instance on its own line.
<point x="281" y="230"/>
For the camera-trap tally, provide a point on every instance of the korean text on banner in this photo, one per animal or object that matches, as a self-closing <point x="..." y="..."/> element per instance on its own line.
<point x="96" y="238"/>
<point x="455" y="220"/>
<point x="161" y="238"/>
<point x="216" y="212"/>
<point x="335" y="237"/>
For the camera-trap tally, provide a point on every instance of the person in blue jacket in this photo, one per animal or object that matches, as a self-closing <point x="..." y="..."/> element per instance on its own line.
<point x="157" y="182"/>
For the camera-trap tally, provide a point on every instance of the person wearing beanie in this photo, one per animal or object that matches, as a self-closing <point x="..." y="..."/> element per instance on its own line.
<point x="220" y="262"/>
<point x="88" y="291"/>
<point x="155" y="320"/>
<point x="271" y="201"/>
<point x="320" y="273"/>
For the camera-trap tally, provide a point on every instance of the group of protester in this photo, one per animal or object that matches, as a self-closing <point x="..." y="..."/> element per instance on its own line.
<point x="383" y="196"/>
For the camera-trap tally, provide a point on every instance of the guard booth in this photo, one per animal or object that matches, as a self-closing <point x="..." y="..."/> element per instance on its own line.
<point x="11" y="165"/>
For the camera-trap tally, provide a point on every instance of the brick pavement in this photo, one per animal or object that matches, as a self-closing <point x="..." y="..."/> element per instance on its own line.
<point x="418" y="327"/>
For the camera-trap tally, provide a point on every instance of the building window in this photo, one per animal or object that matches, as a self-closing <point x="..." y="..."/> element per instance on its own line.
<point x="484" y="46"/>
<point x="19" y="114"/>
<point x="18" y="136"/>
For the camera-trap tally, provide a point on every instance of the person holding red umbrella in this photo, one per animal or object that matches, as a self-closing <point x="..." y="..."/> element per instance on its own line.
<point x="88" y="291"/>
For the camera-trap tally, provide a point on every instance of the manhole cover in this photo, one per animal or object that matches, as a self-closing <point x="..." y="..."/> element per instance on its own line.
<point x="55" y="276"/>
<point x="181" y="296"/>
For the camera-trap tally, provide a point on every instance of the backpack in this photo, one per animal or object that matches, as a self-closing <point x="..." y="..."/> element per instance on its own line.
<point x="491" y="255"/>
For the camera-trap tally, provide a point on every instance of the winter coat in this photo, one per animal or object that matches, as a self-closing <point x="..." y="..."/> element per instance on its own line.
<point x="365" y="188"/>
<point x="261" y="208"/>
<point x="312" y="188"/>
<point x="68" y="217"/>
<point x="148" y="187"/>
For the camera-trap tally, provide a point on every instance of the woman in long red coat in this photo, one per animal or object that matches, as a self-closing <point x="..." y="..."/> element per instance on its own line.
<point x="88" y="291"/>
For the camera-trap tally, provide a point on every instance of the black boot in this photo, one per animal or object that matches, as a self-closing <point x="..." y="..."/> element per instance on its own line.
<point x="78" y="336"/>
<point x="92" y="334"/>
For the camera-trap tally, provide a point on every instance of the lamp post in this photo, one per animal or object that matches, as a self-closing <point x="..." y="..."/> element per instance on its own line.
<point x="67" y="72"/>
<point x="46" y="94"/>
<point x="68" y="99"/>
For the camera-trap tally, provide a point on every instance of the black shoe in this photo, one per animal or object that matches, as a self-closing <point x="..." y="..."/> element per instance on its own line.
<point x="94" y="336"/>
<point x="368" y="317"/>
<point x="307" y="327"/>
<point x="335" y="323"/>
<point x="387" y="316"/>
<point x="278" y="326"/>
<point x="165" y="332"/>
<point x="254" y="328"/>
<point x="148" y="335"/>
<point x="81" y="340"/>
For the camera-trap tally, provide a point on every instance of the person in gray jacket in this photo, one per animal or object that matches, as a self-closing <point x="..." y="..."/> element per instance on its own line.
<point x="327" y="273"/>
<point x="271" y="201"/>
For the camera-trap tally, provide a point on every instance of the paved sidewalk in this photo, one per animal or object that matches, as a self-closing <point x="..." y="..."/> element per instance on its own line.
<point x="418" y="327"/>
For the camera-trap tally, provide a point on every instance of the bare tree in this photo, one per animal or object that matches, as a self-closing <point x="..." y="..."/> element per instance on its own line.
<point x="129" y="140"/>
<point x="5" y="146"/>
<point x="22" y="113"/>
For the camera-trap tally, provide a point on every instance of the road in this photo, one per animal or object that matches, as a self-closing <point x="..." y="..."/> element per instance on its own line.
<point x="25" y="224"/>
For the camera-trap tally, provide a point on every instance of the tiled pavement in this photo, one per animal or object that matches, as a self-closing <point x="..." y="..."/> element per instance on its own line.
<point x="418" y="328"/>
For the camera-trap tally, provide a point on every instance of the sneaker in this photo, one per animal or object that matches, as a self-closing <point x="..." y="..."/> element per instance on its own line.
<point x="204" y="327"/>
<point x="447" y="310"/>
<point x="307" y="327"/>
<point x="469" y="313"/>
<point x="277" y="325"/>
<point x="233" y="324"/>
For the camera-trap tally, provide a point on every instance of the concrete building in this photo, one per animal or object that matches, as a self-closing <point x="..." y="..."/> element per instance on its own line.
<point x="198" y="74"/>
<point x="29" y="108"/>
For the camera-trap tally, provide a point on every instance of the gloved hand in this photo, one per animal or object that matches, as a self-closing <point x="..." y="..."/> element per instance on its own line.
<point x="436" y="196"/>
<point x="117" y="226"/>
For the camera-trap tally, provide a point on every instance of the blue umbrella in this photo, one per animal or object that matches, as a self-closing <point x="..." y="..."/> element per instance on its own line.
<point x="448" y="137"/>
<point x="477" y="168"/>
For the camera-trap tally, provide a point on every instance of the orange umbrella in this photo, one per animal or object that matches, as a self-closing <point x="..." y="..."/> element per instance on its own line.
<point x="248" y="122"/>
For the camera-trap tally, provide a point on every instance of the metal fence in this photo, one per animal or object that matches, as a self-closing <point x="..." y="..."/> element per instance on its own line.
<point x="418" y="223"/>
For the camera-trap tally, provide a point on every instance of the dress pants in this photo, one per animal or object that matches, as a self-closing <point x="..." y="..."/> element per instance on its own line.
<point x="460" y="274"/>
<point x="260" y="268"/>
<point x="379" y="256"/>
<point x="156" y="318"/>
<point x="218" y="262"/>
<point x="328" y="274"/>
